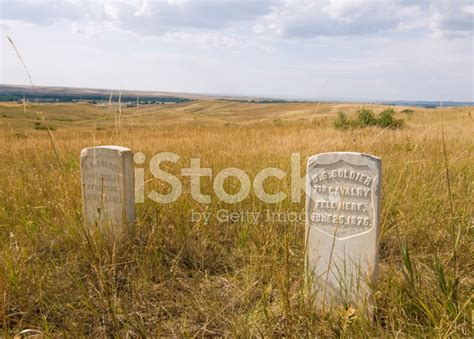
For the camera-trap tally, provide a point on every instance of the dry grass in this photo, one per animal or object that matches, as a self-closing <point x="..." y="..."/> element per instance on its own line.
<point x="183" y="278"/>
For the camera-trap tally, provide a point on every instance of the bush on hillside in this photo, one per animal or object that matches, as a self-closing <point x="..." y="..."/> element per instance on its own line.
<point x="366" y="117"/>
<point x="386" y="119"/>
<point x="342" y="122"/>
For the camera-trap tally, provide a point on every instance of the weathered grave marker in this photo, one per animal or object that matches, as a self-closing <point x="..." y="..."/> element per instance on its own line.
<point x="342" y="206"/>
<point x="108" y="188"/>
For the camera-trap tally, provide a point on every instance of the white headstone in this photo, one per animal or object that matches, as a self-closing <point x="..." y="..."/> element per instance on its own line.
<point x="108" y="188"/>
<point x="343" y="213"/>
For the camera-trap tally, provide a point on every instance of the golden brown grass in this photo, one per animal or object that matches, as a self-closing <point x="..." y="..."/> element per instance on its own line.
<point x="182" y="278"/>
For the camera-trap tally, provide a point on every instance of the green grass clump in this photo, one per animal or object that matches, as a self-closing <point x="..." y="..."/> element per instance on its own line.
<point x="386" y="119"/>
<point x="366" y="118"/>
<point x="342" y="122"/>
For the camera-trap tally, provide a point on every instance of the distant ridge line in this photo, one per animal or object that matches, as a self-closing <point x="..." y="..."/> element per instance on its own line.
<point x="15" y="92"/>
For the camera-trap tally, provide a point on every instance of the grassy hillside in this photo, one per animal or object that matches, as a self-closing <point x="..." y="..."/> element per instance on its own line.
<point x="199" y="112"/>
<point x="180" y="277"/>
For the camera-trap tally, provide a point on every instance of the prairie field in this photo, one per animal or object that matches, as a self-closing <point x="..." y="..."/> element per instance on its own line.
<point x="181" y="277"/>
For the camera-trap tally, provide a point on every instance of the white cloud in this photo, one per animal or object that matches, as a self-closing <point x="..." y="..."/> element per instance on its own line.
<point x="281" y="18"/>
<point x="366" y="49"/>
<point x="214" y="39"/>
<point x="144" y="16"/>
<point x="452" y="19"/>
<point x="91" y="29"/>
<point x="300" y="18"/>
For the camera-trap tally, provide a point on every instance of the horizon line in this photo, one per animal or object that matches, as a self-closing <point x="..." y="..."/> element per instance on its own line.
<point x="197" y="95"/>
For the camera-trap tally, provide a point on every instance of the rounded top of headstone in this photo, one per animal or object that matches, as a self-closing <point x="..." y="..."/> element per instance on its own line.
<point x="113" y="147"/>
<point x="347" y="155"/>
<point x="119" y="149"/>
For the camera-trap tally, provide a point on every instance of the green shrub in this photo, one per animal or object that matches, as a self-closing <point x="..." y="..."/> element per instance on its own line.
<point x="342" y="122"/>
<point x="386" y="119"/>
<point x="366" y="117"/>
<point x="407" y="111"/>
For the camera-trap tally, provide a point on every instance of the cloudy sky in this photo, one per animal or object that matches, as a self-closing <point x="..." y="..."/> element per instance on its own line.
<point x="398" y="49"/>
